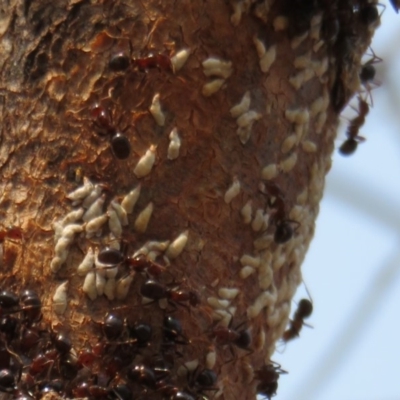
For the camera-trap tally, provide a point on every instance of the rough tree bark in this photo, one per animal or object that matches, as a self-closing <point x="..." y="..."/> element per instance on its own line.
<point x="230" y="143"/>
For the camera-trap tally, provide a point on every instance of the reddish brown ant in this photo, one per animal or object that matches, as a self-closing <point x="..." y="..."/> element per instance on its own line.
<point x="141" y="263"/>
<point x="284" y="230"/>
<point x="268" y="375"/>
<point x="103" y="122"/>
<point x="349" y="146"/>
<point x="146" y="376"/>
<point x="138" y="263"/>
<point x="304" y="310"/>
<point x="156" y="291"/>
<point x="120" y="61"/>
<point x="173" y="332"/>
<point x="201" y="380"/>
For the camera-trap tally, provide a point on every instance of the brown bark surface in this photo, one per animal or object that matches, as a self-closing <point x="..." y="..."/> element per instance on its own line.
<point x="55" y="66"/>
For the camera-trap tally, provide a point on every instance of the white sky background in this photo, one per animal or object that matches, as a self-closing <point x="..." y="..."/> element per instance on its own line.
<point x="353" y="267"/>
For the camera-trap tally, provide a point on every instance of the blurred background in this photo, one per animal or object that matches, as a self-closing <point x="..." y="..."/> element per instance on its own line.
<point x="352" y="269"/>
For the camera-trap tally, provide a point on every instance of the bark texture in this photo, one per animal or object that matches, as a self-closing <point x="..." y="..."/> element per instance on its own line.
<point x="230" y="144"/>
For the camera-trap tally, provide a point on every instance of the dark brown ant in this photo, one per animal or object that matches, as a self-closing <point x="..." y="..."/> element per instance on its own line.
<point x="268" y="376"/>
<point x="395" y="4"/>
<point x="350" y="144"/>
<point x="304" y="310"/>
<point x="367" y="73"/>
<point x="31" y="305"/>
<point x="230" y="336"/>
<point x="143" y="375"/>
<point x="113" y="327"/>
<point x="201" y="380"/>
<point x="284" y="230"/>
<point x="172" y="332"/>
<point x="160" y="61"/>
<point x="156" y="291"/>
<point x="139" y="263"/>
<point x="103" y="122"/>
<point x="141" y="332"/>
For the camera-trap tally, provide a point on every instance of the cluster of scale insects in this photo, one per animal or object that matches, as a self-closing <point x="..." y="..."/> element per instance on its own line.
<point x="102" y="117"/>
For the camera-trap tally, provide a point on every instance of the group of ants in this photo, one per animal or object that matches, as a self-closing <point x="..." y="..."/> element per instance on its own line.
<point x="199" y="380"/>
<point x="202" y="379"/>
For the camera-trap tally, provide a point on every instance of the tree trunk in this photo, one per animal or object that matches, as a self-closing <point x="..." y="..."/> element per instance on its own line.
<point x="211" y="123"/>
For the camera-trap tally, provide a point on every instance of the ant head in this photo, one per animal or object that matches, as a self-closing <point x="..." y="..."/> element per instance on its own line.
<point x="244" y="340"/>
<point x="367" y="73"/>
<point x="283" y="232"/>
<point x="369" y="14"/>
<point x="119" y="62"/>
